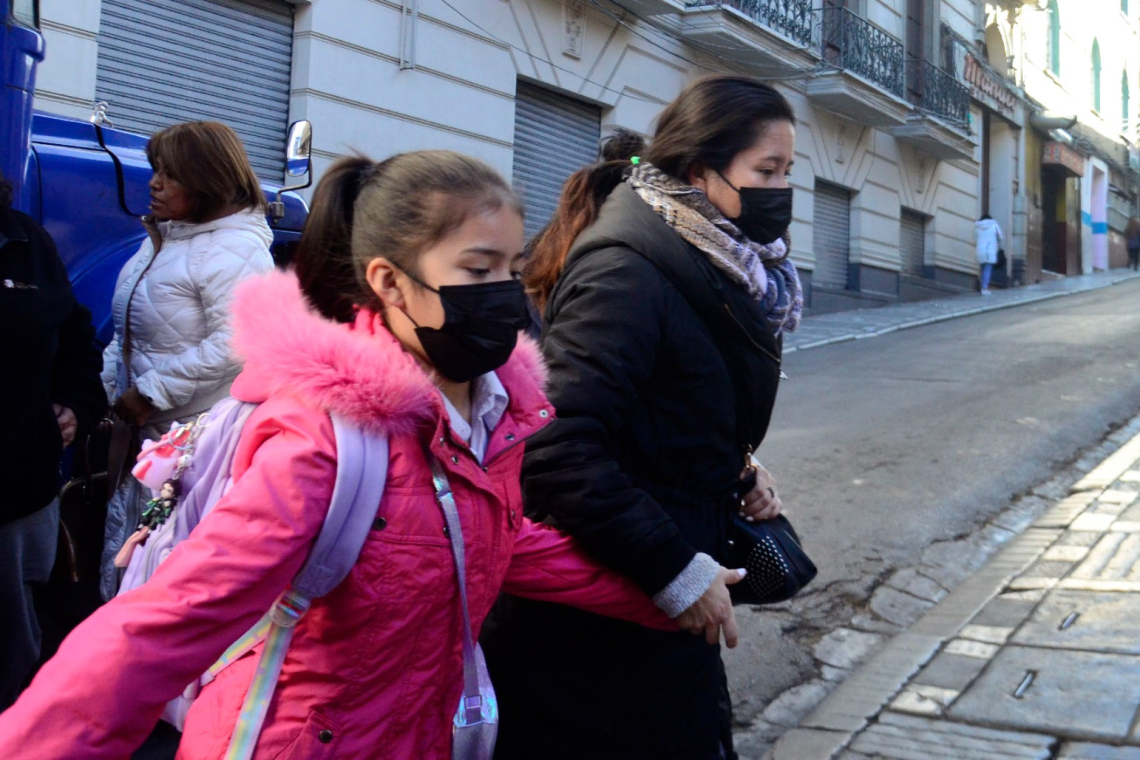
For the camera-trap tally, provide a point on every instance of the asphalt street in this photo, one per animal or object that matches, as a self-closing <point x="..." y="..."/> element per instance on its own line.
<point x="883" y="446"/>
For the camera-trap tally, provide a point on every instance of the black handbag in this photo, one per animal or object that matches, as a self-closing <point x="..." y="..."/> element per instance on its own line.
<point x="82" y="513"/>
<point x="775" y="560"/>
<point x="1000" y="264"/>
<point x="771" y="552"/>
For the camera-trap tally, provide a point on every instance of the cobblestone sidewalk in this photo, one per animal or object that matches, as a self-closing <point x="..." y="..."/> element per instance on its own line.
<point x="838" y="327"/>
<point x="1036" y="655"/>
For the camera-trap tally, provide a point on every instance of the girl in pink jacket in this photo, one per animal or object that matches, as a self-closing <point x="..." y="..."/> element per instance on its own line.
<point x="413" y="263"/>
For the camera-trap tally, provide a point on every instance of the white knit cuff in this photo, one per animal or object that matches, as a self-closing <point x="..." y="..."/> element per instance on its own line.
<point x="689" y="585"/>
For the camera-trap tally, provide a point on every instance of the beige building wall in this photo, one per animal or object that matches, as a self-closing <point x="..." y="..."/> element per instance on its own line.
<point x="368" y="89"/>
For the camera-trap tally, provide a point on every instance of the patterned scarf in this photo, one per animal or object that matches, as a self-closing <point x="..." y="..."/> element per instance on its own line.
<point x="764" y="270"/>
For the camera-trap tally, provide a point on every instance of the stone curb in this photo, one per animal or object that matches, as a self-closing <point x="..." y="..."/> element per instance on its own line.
<point x="1038" y="298"/>
<point x="854" y="703"/>
<point x="1106" y="473"/>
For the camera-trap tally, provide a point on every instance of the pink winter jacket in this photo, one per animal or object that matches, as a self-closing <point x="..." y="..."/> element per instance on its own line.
<point x="375" y="668"/>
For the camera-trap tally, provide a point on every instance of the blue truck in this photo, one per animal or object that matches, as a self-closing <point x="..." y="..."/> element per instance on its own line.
<point x="86" y="182"/>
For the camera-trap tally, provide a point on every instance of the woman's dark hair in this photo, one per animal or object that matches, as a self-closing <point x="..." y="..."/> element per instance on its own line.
<point x="208" y="159"/>
<point x="985" y="217"/>
<point x="582" y="196"/>
<point x="395" y="209"/>
<point x="710" y="122"/>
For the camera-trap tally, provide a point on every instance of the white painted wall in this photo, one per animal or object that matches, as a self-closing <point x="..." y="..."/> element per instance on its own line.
<point x="1070" y="94"/>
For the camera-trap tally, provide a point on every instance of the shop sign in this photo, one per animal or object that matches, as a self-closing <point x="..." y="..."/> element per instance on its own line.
<point x="1059" y="154"/>
<point x="982" y="82"/>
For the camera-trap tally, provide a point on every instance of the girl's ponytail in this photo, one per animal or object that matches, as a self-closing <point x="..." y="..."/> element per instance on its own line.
<point x="582" y="197"/>
<point x="324" y="260"/>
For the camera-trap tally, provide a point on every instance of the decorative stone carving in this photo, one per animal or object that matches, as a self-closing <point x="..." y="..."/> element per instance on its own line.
<point x="574" y="28"/>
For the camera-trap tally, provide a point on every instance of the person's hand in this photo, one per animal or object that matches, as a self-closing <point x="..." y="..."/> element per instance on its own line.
<point x="106" y="424"/>
<point x="763" y="501"/>
<point x="123" y="558"/>
<point x="133" y="407"/>
<point x="68" y="424"/>
<point x="713" y="611"/>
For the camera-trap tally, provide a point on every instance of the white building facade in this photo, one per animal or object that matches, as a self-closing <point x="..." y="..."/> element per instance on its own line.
<point x="892" y="157"/>
<point x="1078" y="61"/>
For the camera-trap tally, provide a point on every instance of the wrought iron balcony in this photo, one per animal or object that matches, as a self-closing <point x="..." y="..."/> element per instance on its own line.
<point x="856" y="45"/>
<point x="933" y="90"/>
<point x="791" y="18"/>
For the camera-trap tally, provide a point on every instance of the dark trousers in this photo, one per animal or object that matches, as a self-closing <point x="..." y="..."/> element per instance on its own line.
<point x="572" y="685"/>
<point x="27" y="552"/>
<point x="1134" y="258"/>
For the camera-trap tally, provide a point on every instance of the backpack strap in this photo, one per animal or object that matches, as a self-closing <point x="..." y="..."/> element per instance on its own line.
<point x="361" y="472"/>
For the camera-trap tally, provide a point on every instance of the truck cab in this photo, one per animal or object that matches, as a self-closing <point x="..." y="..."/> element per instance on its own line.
<point x="85" y="181"/>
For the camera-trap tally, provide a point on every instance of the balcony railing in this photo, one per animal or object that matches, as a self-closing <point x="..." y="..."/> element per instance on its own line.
<point x="933" y="90"/>
<point x="792" y="18"/>
<point x="852" y="43"/>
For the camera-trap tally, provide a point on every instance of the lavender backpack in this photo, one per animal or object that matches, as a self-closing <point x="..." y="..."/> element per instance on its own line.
<point x="201" y="456"/>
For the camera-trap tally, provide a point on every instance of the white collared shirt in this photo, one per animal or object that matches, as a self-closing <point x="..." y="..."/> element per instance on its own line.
<point x="489" y="401"/>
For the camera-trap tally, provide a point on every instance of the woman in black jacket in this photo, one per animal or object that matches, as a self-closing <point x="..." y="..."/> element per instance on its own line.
<point x="50" y="395"/>
<point x="666" y="287"/>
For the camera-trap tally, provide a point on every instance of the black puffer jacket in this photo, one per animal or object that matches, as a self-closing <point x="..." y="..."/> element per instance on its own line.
<point x="47" y="342"/>
<point x="642" y="467"/>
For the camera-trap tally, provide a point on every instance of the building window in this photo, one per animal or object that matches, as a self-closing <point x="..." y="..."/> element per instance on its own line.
<point x="1054" y="38"/>
<point x="1096" y="76"/>
<point x="1125" y="119"/>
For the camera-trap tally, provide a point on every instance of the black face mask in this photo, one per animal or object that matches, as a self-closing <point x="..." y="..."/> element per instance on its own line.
<point x="765" y="212"/>
<point x="481" y="326"/>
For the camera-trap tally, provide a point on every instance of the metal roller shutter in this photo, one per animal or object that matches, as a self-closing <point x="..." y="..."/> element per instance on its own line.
<point x="912" y="242"/>
<point x="832" y="228"/>
<point x="167" y="61"/>
<point x="554" y="137"/>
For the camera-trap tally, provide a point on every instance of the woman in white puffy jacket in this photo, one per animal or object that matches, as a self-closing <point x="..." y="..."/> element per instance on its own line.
<point x="170" y="359"/>
<point x="987" y="241"/>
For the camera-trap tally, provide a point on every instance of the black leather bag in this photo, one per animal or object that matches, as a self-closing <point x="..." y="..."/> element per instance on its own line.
<point x="1001" y="261"/>
<point x="771" y="552"/>
<point x="82" y="513"/>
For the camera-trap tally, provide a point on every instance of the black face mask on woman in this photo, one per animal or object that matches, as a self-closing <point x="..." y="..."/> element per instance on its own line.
<point x="765" y="212"/>
<point x="481" y="326"/>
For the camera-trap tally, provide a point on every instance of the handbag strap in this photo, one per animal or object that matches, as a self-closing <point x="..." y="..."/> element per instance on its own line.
<point x="472" y="700"/>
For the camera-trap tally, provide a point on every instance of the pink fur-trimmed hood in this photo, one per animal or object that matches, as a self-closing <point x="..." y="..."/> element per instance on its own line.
<point x="359" y="370"/>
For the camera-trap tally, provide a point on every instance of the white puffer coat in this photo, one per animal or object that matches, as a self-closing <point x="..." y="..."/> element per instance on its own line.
<point x="179" y="302"/>
<point x="987" y="240"/>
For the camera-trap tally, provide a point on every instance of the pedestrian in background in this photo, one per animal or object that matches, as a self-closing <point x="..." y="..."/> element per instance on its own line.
<point x="987" y="242"/>
<point x="413" y="263"/>
<point x="644" y="461"/>
<point x="50" y="396"/>
<point x="1132" y="242"/>
<point x="170" y="358"/>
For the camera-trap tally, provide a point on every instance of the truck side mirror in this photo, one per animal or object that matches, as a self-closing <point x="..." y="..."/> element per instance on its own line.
<point x="298" y="162"/>
<point x="298" y="149"/>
